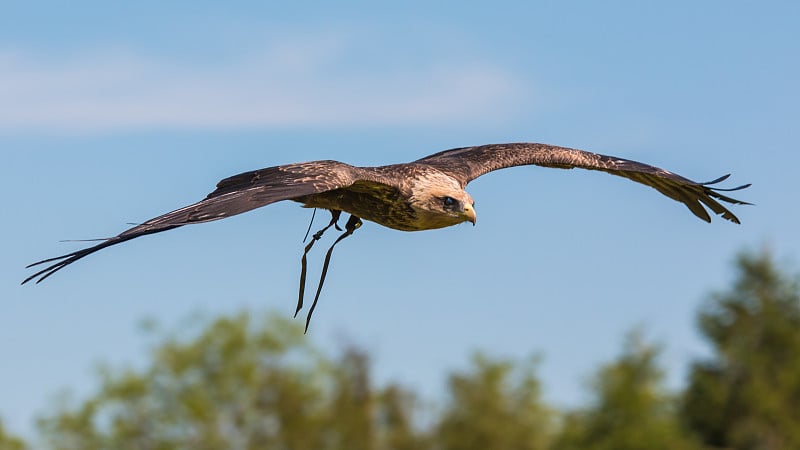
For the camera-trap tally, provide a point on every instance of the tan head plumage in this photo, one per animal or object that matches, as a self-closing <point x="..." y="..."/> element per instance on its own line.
<point x="440" y="201"/>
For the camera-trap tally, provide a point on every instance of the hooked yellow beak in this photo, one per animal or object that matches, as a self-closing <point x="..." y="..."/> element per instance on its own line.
<point x="469" y="213"/>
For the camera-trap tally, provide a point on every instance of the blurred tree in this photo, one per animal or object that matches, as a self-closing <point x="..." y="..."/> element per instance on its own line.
<point x="747" y="396"/>
<point x="235" y="386"/>
<point x="241" y="384"/>
<point x="495" y="406"/>
<point x="630" y="410"/>
<point x="396" y="411"/>
<point x="365" y="418"/>
<point x="8" y="442"/>
<point x="352" y="408"/>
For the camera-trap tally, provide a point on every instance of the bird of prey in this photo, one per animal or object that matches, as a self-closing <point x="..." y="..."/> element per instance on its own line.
<point x="421" y="195"/>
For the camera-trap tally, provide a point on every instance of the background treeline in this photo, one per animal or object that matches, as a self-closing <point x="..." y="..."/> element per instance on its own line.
<point x="245" y="383"/>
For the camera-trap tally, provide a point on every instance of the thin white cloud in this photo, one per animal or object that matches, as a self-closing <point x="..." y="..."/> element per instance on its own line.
<point x="311" y="83"/>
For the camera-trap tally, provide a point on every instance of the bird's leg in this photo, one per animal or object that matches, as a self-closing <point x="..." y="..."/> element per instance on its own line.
<point x="335" y="213"/>
<point x="353" y="223"/>
<point x="308" y="230"/>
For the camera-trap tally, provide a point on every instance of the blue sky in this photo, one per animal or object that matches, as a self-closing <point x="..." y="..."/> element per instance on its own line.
<point x="114" y="113"/>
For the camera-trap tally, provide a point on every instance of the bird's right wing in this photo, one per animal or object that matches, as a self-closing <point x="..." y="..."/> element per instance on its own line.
<point x="234" y="195"/>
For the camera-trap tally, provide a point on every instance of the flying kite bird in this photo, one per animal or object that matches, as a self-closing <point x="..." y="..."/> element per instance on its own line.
<point x="421" y="195"/>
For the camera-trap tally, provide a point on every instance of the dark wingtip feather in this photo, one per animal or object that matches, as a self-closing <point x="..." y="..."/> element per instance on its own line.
<point x="727" y="199"/>
<point x="69" y="258"/>
<point x="737" y="188"/>
<point x="718" y="180"/>
<point x="63" y="261"/>
<point x="48" y="260"/>
<point x="714" y="192"/>
<point x="721" y="179"/>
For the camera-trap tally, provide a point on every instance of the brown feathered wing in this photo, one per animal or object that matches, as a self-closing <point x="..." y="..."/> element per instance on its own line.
<point x="234" y="195"/>
<point x="468" y="163"/>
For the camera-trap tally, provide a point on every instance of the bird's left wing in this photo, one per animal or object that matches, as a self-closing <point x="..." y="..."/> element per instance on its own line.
<point x="234" y="195"/>
<point x="468" y="163"/>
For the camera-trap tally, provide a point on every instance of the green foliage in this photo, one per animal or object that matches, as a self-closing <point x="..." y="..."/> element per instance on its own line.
<point x="8" y="442"/>
<point x="495" y="406"/>
<point x="240" y="383"/>
<point x="630" y="410"/>
<point x="235" y="386"/>
<point x="395" y="419"/>
<point x="748" y="395"/>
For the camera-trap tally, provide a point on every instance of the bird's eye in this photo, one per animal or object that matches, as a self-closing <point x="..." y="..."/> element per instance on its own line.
<point x="449" y="201"/>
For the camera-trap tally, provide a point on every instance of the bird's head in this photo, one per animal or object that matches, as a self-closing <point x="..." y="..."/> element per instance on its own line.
<point x="439" y="201"/>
